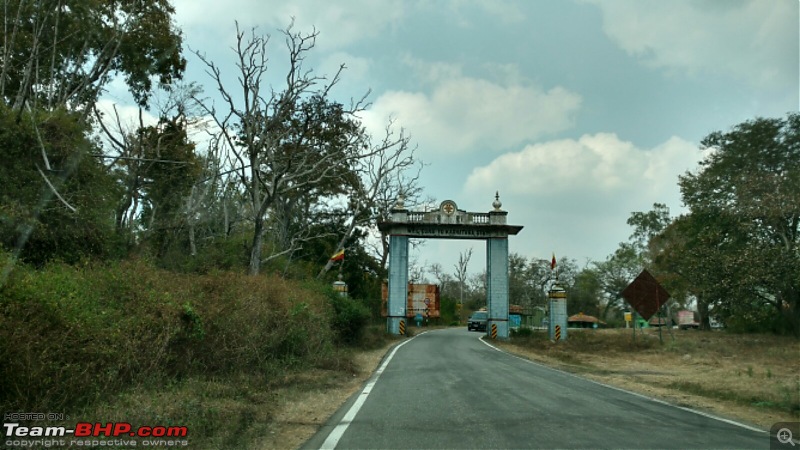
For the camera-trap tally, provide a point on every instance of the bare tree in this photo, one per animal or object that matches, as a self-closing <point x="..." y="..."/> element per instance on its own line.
<point x="285" y="140"/>
<point x="478" y="287"/>
<point x="461" y="271"/>
<point x="382" y="171"/>
<point x="416" y="272"/>
<point x="439" y="274"/>
<point x="403" y="184"/>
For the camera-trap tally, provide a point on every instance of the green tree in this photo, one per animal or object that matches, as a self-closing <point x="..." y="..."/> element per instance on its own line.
<point x="747" y="191"/>
<point x="56" y="58"/>
<point x="63" y="211"/>
<point x="60" y="53"/>
<point x="616" y="273"/>
<point x="647" y="225"/>
<point x="688" y="260"/>
<point x="171" y="171"/>
<point x="585" y="293"/>
<point x="519" y="292"/>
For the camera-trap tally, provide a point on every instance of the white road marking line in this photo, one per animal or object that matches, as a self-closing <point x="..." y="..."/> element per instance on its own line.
<point x="333" y="438"/>
<point x="701" y="413"/>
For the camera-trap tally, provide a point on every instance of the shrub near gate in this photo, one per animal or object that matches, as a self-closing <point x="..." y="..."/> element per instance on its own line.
<point x="71" y="335"/>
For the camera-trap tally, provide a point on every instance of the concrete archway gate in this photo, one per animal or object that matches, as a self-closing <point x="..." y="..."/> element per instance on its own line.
<point x="449" y="222"/>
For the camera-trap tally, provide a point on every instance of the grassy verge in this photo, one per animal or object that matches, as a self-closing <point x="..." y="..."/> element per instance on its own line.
<point x="753" y="378"/>
<point x="235" y="411"/>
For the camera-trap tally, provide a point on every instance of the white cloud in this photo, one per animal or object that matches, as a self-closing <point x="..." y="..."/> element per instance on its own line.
<point x="462" y="114"/>
<point x="128" y="115"/>
<point x="574" y="196"/>
<point x="754" y="40"/>
<point x="339" y="23"/>
<point x="598" y="167"/>
<point x="355" y="75"/>
<point x="431" y="72"/>
<point x="460" y="11"/>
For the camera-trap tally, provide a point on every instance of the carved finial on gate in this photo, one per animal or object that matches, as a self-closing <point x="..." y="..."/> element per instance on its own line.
<point x="401" y="202"/>
<point x="496" y="203"/>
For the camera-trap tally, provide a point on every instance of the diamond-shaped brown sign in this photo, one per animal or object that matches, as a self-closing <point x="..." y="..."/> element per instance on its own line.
<point x="645" y="295"/>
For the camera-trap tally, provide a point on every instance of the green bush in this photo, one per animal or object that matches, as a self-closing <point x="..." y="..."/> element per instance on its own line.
<point x="349" y="318"/>
<point x="521" y="332"/>
<point x="72" y="335"/>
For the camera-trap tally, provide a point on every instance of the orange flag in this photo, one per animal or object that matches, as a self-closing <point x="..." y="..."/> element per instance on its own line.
<point x="338" y="256"/>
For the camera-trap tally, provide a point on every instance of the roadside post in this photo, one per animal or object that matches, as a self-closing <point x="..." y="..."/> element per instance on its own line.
<point x="340" y="286"/>
<point x="557" y="325"/>
<point x="661" y="323"/>
<point x="646" y="297"/>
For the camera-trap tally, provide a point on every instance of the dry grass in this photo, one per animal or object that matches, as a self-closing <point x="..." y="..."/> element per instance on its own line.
<point x="245" y="411"/>
<point x="302" y="409"/>
<point x="750" y="378"/>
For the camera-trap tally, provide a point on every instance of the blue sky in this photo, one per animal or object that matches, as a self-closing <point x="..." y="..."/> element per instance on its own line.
<point x="577" y="112"/>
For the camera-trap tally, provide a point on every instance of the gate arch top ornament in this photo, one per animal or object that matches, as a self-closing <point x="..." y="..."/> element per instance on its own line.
<point x="461" y="224"/>
<point x="449" y="222"/>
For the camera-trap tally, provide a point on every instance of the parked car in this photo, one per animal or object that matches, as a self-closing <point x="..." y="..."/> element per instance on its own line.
<point x="477" y="321"/>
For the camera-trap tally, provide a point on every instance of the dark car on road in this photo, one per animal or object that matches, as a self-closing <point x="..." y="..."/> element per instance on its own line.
<point x="477" y="321"/>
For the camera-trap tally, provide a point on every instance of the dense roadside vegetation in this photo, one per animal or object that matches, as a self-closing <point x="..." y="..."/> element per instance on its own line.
<point x="152" y="279"/>
<point x="78" y="338"/>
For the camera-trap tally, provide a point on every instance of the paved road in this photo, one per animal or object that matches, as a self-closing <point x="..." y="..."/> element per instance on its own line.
<point x="448" y="389"/>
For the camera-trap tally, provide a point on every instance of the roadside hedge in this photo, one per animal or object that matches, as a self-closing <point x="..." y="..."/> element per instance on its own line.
<point x="70" y="335"/>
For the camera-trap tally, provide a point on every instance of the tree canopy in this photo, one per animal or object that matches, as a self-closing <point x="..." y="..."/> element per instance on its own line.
<point x="62" y="52"/>
<point x="738" y="245"/>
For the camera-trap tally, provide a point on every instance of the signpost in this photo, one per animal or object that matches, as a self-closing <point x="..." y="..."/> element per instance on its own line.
<point x="422" y="299"/>
<point x="646" y="296"/>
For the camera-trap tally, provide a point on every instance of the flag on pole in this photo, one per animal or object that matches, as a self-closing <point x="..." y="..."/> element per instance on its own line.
<point x="553" y="262"/>
<point x="338" y="256"/>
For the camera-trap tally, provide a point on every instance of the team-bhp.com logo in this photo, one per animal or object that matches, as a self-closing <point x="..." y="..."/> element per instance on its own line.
<point x="121" y="434"/>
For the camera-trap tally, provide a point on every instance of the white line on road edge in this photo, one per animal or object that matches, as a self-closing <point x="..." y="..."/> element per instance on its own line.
<point x="333" y="438"/>
<point x="701" y="413"/>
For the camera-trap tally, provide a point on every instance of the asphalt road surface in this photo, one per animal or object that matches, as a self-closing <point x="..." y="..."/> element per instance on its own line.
<point x="448" y="389"/>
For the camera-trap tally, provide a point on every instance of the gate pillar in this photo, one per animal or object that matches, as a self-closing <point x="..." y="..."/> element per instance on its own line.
<point x="497" y="285"/>
<point x="398" y="283"/>
<point x="449" y="222"/>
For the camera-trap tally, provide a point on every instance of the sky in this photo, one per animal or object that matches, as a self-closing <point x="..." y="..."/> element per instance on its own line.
<point x="577" y="112"/>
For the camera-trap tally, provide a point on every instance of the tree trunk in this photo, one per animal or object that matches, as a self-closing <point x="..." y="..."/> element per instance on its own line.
<point x="702" y="310"/>
<point x="192" y="245"/>
<point x="385" y="254"/>
<point x="226" y="225"/>
<point x="255" y="251"/>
